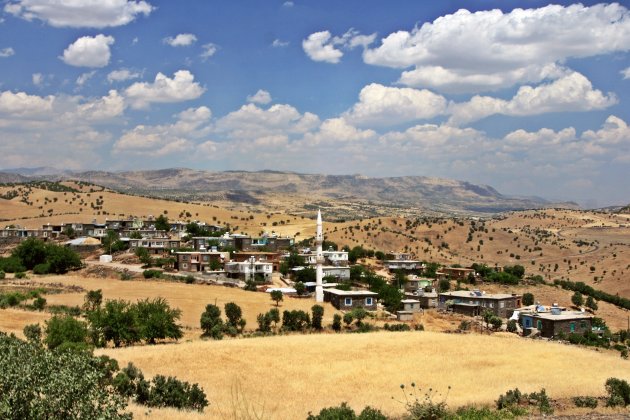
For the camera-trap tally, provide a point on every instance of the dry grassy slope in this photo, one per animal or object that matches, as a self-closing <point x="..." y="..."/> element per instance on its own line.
<point x="292" y="375"/>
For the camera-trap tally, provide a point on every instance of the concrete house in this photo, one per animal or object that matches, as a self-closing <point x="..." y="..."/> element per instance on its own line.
<point x="475" y="302"/>
<point x="155" y="246"/>
<point x="550" y="322"/>
<point x="195" y="261"/>
<point x="455" y="273"/>
<point x="347" y="300"/>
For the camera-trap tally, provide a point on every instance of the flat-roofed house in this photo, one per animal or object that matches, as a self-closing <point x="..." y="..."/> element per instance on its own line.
<point x="475" y="302"/>
<point x="350" y="299"/>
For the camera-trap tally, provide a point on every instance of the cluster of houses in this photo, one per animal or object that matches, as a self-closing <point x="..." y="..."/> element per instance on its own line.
<point x="257" y="258"/>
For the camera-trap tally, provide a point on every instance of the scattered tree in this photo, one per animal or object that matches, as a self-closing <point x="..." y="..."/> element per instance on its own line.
<point x="276" y="296"/>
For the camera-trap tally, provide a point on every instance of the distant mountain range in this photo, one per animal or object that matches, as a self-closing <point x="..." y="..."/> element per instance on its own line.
<point x="350" y="196"/>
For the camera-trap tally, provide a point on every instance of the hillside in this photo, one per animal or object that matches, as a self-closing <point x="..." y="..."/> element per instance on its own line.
<point x="344" y="196"/>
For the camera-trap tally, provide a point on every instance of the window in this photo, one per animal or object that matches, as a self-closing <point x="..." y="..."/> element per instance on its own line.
<point x="572" y="326"/>
<point x="205" y="258"/>
<point x="348" y="301"/>
<point x="184" y="257"/>
<point x="369" y="302"/>
<point x="184" y="265"/>
<point x="539" y="325"/>
<point x="583" y="325"/>
<point x="502" y="304"/>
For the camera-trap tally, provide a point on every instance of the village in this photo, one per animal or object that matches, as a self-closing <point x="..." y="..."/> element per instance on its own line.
<point x="209" y="254"/>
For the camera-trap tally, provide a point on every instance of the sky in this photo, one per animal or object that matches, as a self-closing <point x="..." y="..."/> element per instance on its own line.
<point x="530" y="98"/>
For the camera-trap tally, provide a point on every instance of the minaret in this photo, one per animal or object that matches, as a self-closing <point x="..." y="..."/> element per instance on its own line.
<point x="319" y="240"/>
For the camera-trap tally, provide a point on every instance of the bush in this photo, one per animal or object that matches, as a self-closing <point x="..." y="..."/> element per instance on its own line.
<point x="33" y="333"/>
<point x="464" y="325"/>
<point x="343" y="412"/>
<point x="189" y="279"/>
<point x="295" y="320"/>
<point x="150" y="274"/>
<point x="528" y="299"/>
<point x="396" y="327"/>
<point x="618" y="392"/>
<point x="211" y="322"/>
<point x="514" y="397"/>
<point x="43" y="268"/>
<point x="20" y="275"/>
<point x="171" y="392"/>
<point x="588" y="402"/>
<point x="511" y="326"/>
<point x="11" y="265"/>
<point x="318" y="314"/>
<point x="336" y="324"/>
<point x="65" y="331"/>
<point x="39" y="303"/>
<point x="38" y="384"/>
<point x="2" y="275"/>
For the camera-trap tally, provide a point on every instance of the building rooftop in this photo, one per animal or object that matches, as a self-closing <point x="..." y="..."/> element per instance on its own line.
<point x="351" y="292"/>
<point x="478" y="294"/>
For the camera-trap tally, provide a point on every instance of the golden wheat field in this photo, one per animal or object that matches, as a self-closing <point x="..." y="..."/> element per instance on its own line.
<point x="285" y="377"/>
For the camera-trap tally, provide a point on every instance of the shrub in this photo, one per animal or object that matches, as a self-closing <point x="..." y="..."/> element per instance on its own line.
<point x="618" y="392"/>
<point x="588" y="402"/>
<point x="171" y="392"/>
<point x="528" y="299"/>
<point x="39" y="303"/>
<point x="189" y="279"/>
<point x="37" y="383"/>
<point x="43" y="268"/>
<point x="20" y="275"/>
<point x="496" y="322"/>
<point x="211" y="322"/>
<point x="2" y="275"/>
<point x="425" y="407"/>
<point x="511" y="326"/>
<point x="11" y="265"/>
<point x="318" y="314"/>
<point x="336" y="324"/>
<point x="67" y="331"/>
<point x="464" y="325"/>
<point x="295" y="320"/>
<point x="343" y="412"/>
<point x="33" y="333"/>
<point x="396" y="327"/>
<point x="150" y="274"/>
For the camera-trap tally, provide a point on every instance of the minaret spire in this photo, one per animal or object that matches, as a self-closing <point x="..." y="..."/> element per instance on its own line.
<point x="319" y="240"/>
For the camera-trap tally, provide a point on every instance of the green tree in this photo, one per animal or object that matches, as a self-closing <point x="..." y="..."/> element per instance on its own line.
<point x="318" y="315"/>
<point x="30" y="253"/>
<point x="348" y="318"/>
<point x="211" y="322"/>
<point x="144" y="256"/>
<point x="233" y="313"/>
<point x="112" y="243"/>
<point x="40" y="384"/>
<point x="274" y="315"/>
<point x="33" y="333"/>
<point x="359" y="314"/>
<point x="400" y="278"/>
<point x="157" y="320"/>
<point x="591" y="304"/>
<point x="305" y="275"/>
<point x="276" y="296"/>
<point x="528" y="299"/>
<point x="116" y="322"/>
<point x="577" y="299"/>
<point x="161" y="223"/>
<point x="336" y="324"/>
<point x="444" y="285"/>
<point x="93" y="300"/>
<point x="299" y="287"/>
<point x="66" y="332"/>
<point x="61" y="259"/>
<point x="69" y="232"/>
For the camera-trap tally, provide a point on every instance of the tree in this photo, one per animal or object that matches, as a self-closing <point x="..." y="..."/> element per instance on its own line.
<point x="211" y="322"/>
<point x="496" y="322"/>
<point x="591" y="304"/>
<point x="444" y="285"/>
<point x="318" y="314"/>
<point x="515" y="270"/>
<point x="30" y="253"/>
<point x="276" y="296"/>
<point x="116" y="322"/>
<point x="306" y="275"/>
<point x="33" y="333"/>
<point x="161" y="223"/>
<point x="112" y="243"/>
<point x="400" y="278"/>
<point x="528" y="299"/>
<point x="348" y="318"/>
<point x="511" y="326"/>
<point x="577" y="299"/>
<point x="40" y="384"/>
<point x="299" y="287"/>
<point x="274" y="315"/>
<point x="336" y="324"/>
<point x="61" y="259"/>
<point x="65" y="331"/>
<point x="93" y="300"/>
<point x="264" y="322"/>
<point x="233" y="313"/>
<point x="69" y="232"/>
<point x="157" y="320"/>
<point x="359" y="314"/>
<point x="144" y="256"/>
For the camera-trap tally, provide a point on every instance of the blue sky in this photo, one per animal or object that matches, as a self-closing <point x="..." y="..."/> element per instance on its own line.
<point x="528" y="97"/>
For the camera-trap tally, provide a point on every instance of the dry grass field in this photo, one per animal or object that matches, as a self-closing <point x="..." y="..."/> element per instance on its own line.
<point x="286" y="377"/>
<point x="190" y="298"/>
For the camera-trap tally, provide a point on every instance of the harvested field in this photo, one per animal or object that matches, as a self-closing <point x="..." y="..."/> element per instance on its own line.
<point x="285" y="377"/>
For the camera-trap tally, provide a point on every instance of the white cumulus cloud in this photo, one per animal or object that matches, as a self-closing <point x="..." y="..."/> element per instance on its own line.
<point x="79" y="13"/>
<point x="279" y="44"/>
<point x="626" y="73"/>
<point x="573" y="92"/>
<point x="21" y="104"/>
<point x="261" y="97"/>
<point x="122" y="75"/>
<point x="162" y="140"/>
<point x="89" y="51"/>
<point x="181" y="87"/>
<point x="83" y="78"/>
<point x="382" y="105"/>
<point x="7" y="52"/>
<point x="322" y="46"/>
<point x="181" y="40"/>
<point x="486" y="50"/>
<point x="209" y="50"/>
